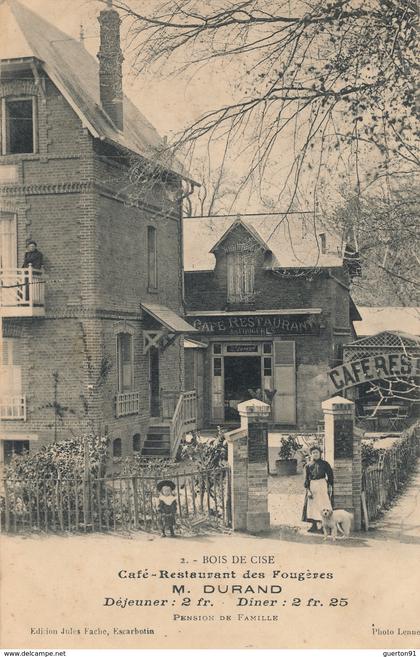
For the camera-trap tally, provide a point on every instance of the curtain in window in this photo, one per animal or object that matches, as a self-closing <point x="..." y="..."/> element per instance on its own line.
<point x="241" y="276"/>
<point x="125" y="362"/>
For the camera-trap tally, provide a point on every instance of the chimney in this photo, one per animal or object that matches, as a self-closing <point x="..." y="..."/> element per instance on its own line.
<point x="110" y="65"/>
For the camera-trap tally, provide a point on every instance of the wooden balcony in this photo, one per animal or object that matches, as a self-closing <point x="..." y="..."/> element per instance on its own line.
<point x="22" y="293"/>
<point x="13" y="408"/>
<point x="127" y="403"/>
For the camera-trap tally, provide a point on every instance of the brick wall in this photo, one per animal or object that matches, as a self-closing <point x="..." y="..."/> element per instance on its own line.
<point x="315" y="354"/>
<point x="68" y="197"/>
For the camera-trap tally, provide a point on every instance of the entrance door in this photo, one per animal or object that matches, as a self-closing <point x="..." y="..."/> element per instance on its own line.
<point x="154" y="382"/>
<point x="242" y="379"/>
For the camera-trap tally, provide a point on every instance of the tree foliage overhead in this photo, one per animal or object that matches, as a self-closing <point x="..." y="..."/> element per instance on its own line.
<point x="333" y="77"/>
<point x="382" y="224"/>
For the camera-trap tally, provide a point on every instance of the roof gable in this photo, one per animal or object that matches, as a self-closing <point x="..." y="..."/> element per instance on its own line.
<point x="76" y="74"/>
<point x="291" y="237"/>
<point x="234" y="227"/>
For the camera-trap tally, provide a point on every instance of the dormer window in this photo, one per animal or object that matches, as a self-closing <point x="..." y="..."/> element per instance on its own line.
<point x="241" y="276"/>
<point x="18" y="133"/>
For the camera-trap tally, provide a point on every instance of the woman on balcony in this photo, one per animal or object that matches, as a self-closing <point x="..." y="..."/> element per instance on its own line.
<point x="32" y="256"/>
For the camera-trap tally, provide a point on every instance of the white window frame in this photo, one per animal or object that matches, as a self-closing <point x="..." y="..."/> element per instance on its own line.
<point x="120" y="383"/>
<point x="4" y="135"/>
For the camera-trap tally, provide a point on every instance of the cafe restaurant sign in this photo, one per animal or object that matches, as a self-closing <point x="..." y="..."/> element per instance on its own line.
<point x="382" y="366"/>
<point x="264" y="325"/>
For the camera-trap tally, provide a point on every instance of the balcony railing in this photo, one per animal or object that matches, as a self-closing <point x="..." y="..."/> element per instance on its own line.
<point x="22" y="292"/>
<point x="127" y="403"/>
<point x="13" y="408"/>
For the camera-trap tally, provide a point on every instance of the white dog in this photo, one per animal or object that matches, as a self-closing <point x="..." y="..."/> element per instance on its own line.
<point x="339" y="519"/>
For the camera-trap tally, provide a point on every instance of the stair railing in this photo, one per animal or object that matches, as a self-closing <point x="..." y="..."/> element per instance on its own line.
<point x="183" y="420"/>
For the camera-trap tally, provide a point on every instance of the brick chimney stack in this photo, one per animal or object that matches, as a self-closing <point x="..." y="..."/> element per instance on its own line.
<point x="110" y="65"/>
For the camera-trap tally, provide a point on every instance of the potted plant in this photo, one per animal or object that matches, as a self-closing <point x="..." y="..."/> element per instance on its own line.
<point x="286" y="464"/>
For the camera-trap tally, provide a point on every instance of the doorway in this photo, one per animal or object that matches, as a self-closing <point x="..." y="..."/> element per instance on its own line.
<point x="154" y="388"/>
<point x="242" y="379"/>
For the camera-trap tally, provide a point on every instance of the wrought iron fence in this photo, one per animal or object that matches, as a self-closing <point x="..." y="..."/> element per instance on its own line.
<point x="382" y="481"/>
<point x="113" y="503"/>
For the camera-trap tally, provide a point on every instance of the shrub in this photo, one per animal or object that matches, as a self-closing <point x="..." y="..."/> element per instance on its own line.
<point x="288" y="447"/>
<point x="61" y="459"/>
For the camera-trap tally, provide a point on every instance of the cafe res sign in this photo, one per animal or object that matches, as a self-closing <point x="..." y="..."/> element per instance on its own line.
<point x="383" y="366"/>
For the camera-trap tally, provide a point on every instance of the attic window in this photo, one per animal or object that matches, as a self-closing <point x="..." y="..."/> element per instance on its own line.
<point x="18" y="126"/>
<point x="241" y="277"/>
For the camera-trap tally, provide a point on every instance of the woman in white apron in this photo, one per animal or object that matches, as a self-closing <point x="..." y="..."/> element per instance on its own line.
<point x="319" y="480"/>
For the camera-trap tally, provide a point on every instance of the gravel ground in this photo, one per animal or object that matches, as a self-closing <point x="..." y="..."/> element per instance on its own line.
<point x="285" y="501"/>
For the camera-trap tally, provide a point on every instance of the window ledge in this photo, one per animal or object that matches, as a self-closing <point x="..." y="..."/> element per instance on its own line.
<point x="11" y="158"/>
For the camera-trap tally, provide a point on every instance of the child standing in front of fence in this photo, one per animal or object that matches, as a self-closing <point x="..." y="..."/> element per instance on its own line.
<point x="167" y="506"/>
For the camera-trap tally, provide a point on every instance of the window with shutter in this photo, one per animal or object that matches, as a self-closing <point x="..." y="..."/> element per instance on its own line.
<point x="284" y="403"/>
<point x="11" y="367"/>
<point x="240" y="276"/>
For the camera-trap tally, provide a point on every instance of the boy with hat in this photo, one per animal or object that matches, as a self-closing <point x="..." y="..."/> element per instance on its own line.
<point x="167" y="506"/>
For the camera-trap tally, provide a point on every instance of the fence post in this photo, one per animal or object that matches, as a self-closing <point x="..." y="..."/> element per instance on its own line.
<point x="86" y="476"/>
<point x="342" y="445"/>
<point x="248" y="460"/>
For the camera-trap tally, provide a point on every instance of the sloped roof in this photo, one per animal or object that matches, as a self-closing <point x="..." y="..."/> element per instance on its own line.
<point x="76" y="74"/>
<point x="248" y="227"/>
<point x="388" y="318"/>
<point x="168" y="318"/>
<point x="291" y="238"/>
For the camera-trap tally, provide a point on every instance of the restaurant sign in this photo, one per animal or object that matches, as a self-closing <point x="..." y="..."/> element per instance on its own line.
<point x="264" y="325"/>
<point x="382" y="366"/>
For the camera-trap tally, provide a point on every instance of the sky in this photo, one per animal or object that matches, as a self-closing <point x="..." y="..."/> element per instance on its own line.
<point x="172" y="102"/>
<point x="169" y="103"/>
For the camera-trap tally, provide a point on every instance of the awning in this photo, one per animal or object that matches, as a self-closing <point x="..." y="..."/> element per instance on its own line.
<point x="168" y="318"/>
<point x="161" y="325"/>
<point x="254" y="313"/>
<point x="194" y="344"/>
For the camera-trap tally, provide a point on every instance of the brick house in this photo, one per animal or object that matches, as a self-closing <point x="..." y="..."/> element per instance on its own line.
<point x="93" y="340"/>
<point x="270" y="299"/>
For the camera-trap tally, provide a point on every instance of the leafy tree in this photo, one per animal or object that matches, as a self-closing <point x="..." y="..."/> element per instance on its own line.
<point x="331" y="80"/>
<point x="382" y="224"/>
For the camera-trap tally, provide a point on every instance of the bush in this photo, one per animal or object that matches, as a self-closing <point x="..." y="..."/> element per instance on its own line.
<point x="288" y="448"/>
<point x="61" y="459"/>
<point x="370" y="454"/>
